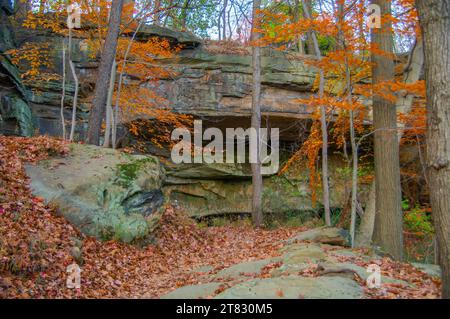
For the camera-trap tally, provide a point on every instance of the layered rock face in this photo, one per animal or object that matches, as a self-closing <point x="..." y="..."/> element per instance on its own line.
<point x="219" y="85"/>
<point x="15" y="114"/>
<point x="211" y="86"/>
<point x="204" y="190"/>
<point x="216" y="88"/>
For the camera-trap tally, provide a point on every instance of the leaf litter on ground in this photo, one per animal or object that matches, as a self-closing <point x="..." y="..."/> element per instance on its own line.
<point x="36" y="244"/>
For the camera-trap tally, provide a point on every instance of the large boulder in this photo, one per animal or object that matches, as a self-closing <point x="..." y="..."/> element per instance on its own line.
<point x="295" y="287"/>
<point x="105" y="193"/>
<point x="324" y="235"/>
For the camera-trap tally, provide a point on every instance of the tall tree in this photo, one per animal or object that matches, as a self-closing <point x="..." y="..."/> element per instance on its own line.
<point x="434" y="16"/>
<point x="98" y="109"/>
<point x="256" y="118"/>
<point x="323" y="121"/>
<point x="388" y="233"/>
<point x="296" y="18"/>
<point x="224" y="19"/>
<point x="404" y="103"/>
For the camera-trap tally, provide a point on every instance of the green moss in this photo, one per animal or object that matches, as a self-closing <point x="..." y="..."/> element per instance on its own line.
<point x="128" y="172"/>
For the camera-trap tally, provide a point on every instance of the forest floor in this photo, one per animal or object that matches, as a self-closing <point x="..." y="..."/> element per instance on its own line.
<point x="36" y="245"/>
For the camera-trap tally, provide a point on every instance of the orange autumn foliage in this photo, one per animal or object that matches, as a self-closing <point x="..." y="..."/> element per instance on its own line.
<point x="352" y="33"/>
<point x="137" y="98"/>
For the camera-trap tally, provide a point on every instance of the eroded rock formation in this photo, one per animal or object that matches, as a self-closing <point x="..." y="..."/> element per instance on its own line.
<point x="216" y="88"/>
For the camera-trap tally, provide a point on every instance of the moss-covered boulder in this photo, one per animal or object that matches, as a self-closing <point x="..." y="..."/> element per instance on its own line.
<point x="105" y="193"/>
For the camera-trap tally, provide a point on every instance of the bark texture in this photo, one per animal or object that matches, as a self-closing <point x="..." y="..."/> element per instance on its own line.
<point x="434" y="18"/>
<point x="256" y="120"/>
<point x="388" y="232"/>
<point x="98" y="109"/>
<point x="404" y="103"/>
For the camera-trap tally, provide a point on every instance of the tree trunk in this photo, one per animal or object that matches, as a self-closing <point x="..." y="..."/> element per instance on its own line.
<point x="256" y="120"/>
<point x="109" y="110"/>
<point x="63" y="93"/>
<point x="310" y="49"/>
<point x="323" y="123"/>
<point x="434" y="16"/>
<point x="365" y="232"/>
<point x="388" y="232"/>
<point x="403" y="105"/>
<point x="219" y="28"/>
<point x="101" y="89"/>
<point x="296" y="17"/>
<point x="184" y="15"/>
<point x="224" y="19"/>
<point x="75" y="94"/>
<point x="75" y="102"/>
<point x="157" y="14"/>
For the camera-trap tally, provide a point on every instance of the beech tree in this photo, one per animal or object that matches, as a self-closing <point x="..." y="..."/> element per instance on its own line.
<point x="98" y="109"/>
<point x="434" y="16"/>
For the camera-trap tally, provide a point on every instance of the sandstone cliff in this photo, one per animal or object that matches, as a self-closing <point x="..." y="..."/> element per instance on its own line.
<point x="212" y="86"/>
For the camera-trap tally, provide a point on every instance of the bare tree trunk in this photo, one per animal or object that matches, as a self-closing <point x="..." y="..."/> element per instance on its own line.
<point x="412" y="71"/>
<point x="75" y="95"/>
<point x="219" y="28"/>
<point x="256" y="120"/>
<point x="109" y="110"/>
<point x="230" y="29"/>
<point x="224" y="19"/>
<point x="310" y="48"/>
<point x="115" y="118"/>
<point x="63" y="93"/>
<point x="365" y="231"/>
<point x="354" y="157"/>
<point x="354" y="178"/>
<point x="434" y="16"/>
<point x="75" y="102"/>
<point x="341" y="45"/>
<point x="323" y="123"/>
<point x="388" y="231"/>
<point x="101" y="89"/>
<point x="296" y="16"/>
